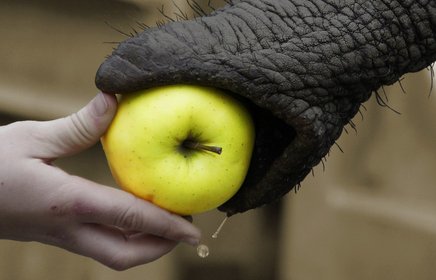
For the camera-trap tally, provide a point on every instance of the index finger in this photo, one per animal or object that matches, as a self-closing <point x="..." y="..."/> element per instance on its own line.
<point x="109" y="206"/>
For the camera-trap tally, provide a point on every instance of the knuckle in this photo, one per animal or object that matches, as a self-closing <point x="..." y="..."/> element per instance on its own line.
<point x="79" y="129"/>
<point x="70" y="202"/>
<point x="82" y="209"/>
<point x="129" y="218"/>
<point x="58" y="210"/>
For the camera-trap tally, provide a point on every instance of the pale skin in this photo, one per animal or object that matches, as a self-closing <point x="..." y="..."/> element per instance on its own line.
<point x="40" y="202"/>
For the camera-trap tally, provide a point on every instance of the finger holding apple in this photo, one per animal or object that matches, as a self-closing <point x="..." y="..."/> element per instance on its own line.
<point x="185" y="148"/>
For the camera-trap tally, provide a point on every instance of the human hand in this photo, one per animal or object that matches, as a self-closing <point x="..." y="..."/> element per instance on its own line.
<point x="40" y="202"/>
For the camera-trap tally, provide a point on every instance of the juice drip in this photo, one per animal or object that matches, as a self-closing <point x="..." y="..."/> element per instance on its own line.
<point x="202" y="251"/>
<point x="215" y="235"/>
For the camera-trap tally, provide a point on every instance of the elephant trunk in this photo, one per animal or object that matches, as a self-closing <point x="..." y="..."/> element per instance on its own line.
<point x="302" y="67"/>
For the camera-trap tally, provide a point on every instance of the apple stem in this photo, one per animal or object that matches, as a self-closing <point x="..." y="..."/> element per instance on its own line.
<point x="198" y="146"/>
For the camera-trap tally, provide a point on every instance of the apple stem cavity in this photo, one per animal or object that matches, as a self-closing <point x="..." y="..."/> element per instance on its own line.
<point x="194" y="145"/>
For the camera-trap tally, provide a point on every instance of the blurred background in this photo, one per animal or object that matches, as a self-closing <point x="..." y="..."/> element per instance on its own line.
<point x="370" y="214"/>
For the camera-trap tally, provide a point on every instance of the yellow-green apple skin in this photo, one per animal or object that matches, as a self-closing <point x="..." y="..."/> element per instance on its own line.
<point x="145" y="151"/>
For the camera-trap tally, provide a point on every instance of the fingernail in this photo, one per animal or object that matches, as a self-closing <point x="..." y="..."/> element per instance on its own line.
<point x="192" y="241"/>
<point x="100" y="104"/>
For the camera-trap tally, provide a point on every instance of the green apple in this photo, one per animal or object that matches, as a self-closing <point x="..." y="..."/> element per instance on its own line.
<point x="185" y="148"/>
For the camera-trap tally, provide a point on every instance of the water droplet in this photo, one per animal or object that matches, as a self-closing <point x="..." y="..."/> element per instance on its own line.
<point x="215" y="235"/>
<point x="202" y="251"/>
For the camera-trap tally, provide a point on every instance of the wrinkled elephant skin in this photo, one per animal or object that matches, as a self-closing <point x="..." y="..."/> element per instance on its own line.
<point x="303" y="67"/>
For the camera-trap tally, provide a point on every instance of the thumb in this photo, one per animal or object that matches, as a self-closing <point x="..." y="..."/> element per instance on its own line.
<point x="72" y="134"/>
